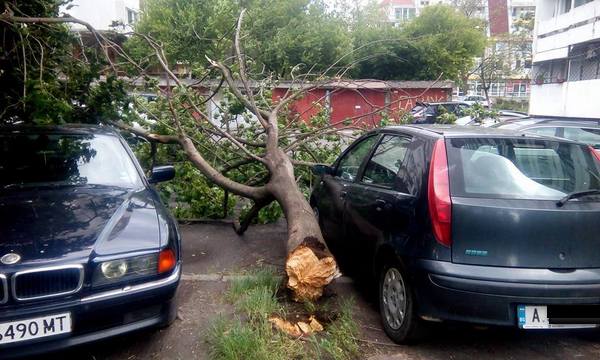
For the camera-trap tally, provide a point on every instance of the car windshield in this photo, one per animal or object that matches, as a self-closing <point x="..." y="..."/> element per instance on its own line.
<point x="29" y="160"/>
<point x="520" y="168"/>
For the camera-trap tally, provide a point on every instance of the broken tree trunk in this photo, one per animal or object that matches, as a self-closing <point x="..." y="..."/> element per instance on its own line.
<point x="309" y="264"/>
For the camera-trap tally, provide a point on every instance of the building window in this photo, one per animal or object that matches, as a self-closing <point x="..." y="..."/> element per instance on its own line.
<point x="548" y="72"/>
<point x="132" y="16"/>
<point x="565" y="6"/>
<point x="581" y="2"/>
<point x="404" y="14"/>
<point x="519" y="90"/>
<point x="584" y="63"/>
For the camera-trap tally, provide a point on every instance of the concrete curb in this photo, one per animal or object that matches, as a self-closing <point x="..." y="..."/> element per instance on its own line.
<point x="227" y="278"/>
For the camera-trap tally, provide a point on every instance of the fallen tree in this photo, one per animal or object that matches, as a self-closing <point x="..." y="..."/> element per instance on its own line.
<point x="309" y="265"/>
<point x="274" y="141"/>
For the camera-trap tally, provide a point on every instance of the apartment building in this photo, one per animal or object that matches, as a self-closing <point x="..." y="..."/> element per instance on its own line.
<point x="510" y="46"/>
<point x="566" y="59"/>
<point x="505" y="20"/>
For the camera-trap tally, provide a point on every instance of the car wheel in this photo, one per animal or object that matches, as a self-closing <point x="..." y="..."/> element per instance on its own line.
<point x="397" y="305"/>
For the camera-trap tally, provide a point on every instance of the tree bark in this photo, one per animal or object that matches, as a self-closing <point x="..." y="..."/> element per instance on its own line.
<point x="309" y="264"/>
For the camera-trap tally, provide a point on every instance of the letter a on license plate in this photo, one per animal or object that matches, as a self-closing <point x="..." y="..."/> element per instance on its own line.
<point x="533" y="317"/>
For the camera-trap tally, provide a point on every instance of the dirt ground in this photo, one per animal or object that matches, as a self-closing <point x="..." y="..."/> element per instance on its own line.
<point x="212" y="251"/>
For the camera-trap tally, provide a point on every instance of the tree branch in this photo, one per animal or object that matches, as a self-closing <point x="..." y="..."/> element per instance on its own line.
<point x="241" y="225"/>
<point x="254" y="193"/>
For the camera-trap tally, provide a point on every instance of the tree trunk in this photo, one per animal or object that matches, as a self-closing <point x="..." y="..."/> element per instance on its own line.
<point x="309" y="264"/>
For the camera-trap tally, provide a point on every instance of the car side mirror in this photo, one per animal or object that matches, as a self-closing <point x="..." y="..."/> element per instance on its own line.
<point x="162" y="173"/>
<point x="321" y="169"/>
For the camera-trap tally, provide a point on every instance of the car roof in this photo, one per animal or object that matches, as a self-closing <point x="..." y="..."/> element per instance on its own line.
<point x="536" y="121"/>
<point x="83" y="129"/>
<point x="457" y="131"/>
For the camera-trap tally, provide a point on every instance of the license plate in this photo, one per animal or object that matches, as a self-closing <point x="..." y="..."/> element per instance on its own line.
<point x="536" y="317"/>
<point x="533" y="317"/>
<point x="21" y="330"/>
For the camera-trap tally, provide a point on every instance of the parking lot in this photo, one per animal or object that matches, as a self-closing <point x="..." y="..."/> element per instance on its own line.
<point x="213" y="251"/>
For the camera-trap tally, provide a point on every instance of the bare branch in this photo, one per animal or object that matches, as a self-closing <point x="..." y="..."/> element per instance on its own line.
<point x="241" y="225"/>
<point x="254" y="193"/>
<point x="163" y="139"/>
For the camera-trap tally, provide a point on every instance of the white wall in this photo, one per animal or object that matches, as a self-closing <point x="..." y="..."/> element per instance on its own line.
<point x="558" y="35"/>
<point x="101" y="13"/>
<point x="569" y="99"/>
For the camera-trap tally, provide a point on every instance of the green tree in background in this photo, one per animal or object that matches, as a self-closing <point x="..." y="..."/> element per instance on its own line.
<point x="42" y="80"/>
<point x="450" y="39"/>
<point x="284" y="34"/>
<point x="281" y="34"/>
<point x="440" y="40"/>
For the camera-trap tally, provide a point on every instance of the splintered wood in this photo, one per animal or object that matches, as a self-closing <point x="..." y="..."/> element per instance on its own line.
<point x="308" y="274"/>
<point x="297" y="329"/>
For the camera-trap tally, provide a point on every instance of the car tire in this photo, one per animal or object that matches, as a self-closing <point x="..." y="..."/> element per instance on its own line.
<point x="397" y="305"/>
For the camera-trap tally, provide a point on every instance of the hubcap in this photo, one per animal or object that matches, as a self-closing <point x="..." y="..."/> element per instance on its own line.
<point x="394" y="298"/>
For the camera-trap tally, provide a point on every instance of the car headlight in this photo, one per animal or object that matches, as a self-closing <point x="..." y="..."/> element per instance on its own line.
<point x="114" y="269"/>
<point x="127" y="269"/>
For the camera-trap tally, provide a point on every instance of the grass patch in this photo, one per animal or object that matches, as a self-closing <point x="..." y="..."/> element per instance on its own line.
<point x="265" y="277"/>
<point x="249" y="335"/>
<point x="339" y="342"/>
<point x="240" y="340"/>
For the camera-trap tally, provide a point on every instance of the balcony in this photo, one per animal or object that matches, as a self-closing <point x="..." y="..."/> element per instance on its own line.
<point x="554" y="35"/>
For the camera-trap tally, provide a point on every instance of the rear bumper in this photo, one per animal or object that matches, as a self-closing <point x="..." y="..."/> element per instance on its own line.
<point x="100" y="316"/>
<point x="490" y="295"/>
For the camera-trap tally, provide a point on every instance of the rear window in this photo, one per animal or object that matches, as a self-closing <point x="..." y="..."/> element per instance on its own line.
<point x="520" y="168"/>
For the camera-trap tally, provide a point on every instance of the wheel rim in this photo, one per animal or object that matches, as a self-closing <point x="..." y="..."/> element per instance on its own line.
<point x="394" y="298"/>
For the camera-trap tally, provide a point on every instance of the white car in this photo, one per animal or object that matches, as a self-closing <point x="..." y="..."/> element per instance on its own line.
<point x="476" y="99"/>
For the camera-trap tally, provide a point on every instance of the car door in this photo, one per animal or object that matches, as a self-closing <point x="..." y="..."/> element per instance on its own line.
<point x="377" y="205"/>
<point x="332" y="192"/>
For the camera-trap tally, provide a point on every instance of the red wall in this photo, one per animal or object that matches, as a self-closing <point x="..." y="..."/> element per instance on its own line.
<point x="305" y="107"/>
<point x="498" y="16"/>
<point x="362" y="106"/>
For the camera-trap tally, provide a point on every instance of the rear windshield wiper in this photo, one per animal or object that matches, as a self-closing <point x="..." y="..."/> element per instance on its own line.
<point x="577" y="194"/>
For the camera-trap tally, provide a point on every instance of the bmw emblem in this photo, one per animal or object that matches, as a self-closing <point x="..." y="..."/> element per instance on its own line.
<point x="10" y="259"/>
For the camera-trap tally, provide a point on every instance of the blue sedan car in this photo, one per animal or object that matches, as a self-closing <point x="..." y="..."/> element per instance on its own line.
<point x="87" y="249"/>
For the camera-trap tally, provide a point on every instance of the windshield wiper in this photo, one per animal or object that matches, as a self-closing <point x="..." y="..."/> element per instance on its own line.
<point x="575" y="195"/>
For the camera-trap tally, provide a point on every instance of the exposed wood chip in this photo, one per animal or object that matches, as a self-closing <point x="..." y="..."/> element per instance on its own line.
<point x="307" y="274"/>
<point x="286" y="326"/>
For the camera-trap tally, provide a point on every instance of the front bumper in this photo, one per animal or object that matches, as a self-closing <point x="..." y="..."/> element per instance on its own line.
<point x="99" y="316"/>
<point x="490" y="295"/>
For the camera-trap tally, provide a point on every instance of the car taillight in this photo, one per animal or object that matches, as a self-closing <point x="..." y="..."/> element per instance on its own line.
<point x="595" y="152"/>
<point x="166" y="261"/>
<point x="440" y="206"/>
